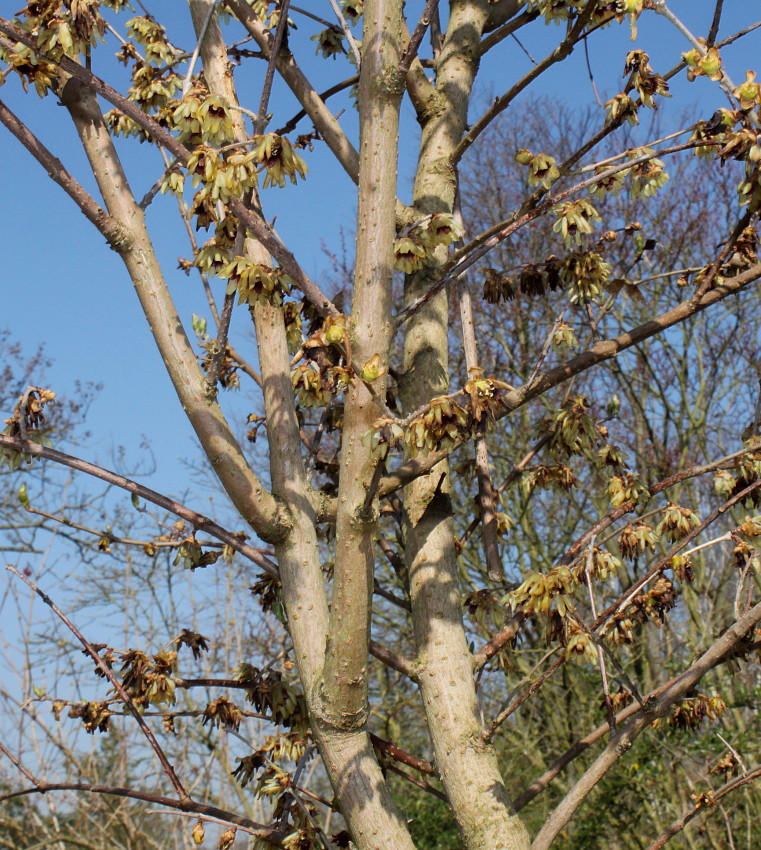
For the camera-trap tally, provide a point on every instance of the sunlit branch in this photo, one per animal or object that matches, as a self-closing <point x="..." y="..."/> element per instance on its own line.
<point x="292" y="123"/>
<point x="411" y="50"/>
<point x="658" y="706"/>
<point x="583" y="744"/>
<point x="277" y="43"/>
<point x="480" y="245"/>
<point x="598" y="353"/>
<point x="187" y="82"/>
<point x="486" y="491"/>
<point x="110" y="537"/>
<point x="506" y="30"/>
<point x="195" y="519"/>
<point x="106" y="225"/>
<point x="726" y="83"/>
<point x="348" y="34"/>
<point x="324" y="121"/>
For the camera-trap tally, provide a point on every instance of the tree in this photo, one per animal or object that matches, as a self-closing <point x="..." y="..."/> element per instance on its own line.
<point x="360" y="418"/>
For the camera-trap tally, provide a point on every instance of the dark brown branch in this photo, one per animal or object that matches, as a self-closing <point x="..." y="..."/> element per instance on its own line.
<point x="660" y="566"/>
<point x="421" y="783"/>
<point x="291" y="124"/>
<point x="272" y="835"/>
<point x="410" y="52"/>
<point x="506" y="30"/>
<point x="401" y="756"/>
<point x="661" y="486"/>
<point x="277" y="41"/>
<point x="9" y="755"/>
<point x="197" y="520"/>
<point x="106" y="225"/>
<point x="610" y="611"/>
<point x="714" y="31"/>
<point x="106" y="671"/>
<point x="218" y="354"/>
<point x="494" y="646"/>
<point x="391" y="659"/>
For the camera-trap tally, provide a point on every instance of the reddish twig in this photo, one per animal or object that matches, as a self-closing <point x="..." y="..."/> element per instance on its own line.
<point x="410" y="52"/>
<point x="401" y="756"/>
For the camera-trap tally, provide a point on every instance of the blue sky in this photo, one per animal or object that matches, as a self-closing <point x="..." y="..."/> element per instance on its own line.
<point x="63" y="288"/>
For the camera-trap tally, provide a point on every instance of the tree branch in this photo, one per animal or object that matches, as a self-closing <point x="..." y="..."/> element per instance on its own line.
<point x="181" y="154"/>
<point x="598" y="353"/>
<point x="561" y="52"/>
<point x="197" y="520"/>
<point x="106" y="671"/>
<point x="272" y="835"/>
<point x="658" y="705"/>
<point x="413" y="45"/>
<point x="322" y="118"/>
<point x="114" y="234"/>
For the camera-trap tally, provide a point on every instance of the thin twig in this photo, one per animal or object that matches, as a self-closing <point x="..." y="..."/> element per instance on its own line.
<point x="268" y="833"/>
<point x="186" y="83"/>
<point x="506" y="30"/>
<point x="108" y="226"/>
<point x="8" y="754"/>
<point x="292" y="123"/>
<point x="714" y="31"/>
<point x="106" y="671"/>
<point x="347" y="32"/>
<point x="726" y="83"/>
<point x="610" y="711"/>
<point x="514" y="706"/>
<point x="480" y="245"/>
<point x="705" y="803"/>
<point x="737" y="757"/>
<point x="591" y="75"/>
<point x="204" y="818"/>
<point x="252" y="221"/>
<point x="282" y="24"/>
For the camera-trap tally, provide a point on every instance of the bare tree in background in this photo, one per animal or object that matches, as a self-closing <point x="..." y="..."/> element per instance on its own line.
<point x="363" y="404"/>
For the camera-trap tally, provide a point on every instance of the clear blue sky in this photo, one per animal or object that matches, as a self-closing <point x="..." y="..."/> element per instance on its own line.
<point x="63" y="288"/>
